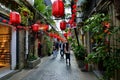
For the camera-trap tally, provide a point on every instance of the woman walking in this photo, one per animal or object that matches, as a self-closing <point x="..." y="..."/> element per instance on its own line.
<point x="67" y="52"/>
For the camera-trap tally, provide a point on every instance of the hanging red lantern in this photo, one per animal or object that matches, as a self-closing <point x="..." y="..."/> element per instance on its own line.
<point x="46" y="27"/>
<point x="58" y="8"/>
<point x="55" y="36"/>
<point x="74" y="25"/>
<point x="74" y="6"/>
<point x="51" y="34"/>
<point x="62" y="25"/>
<point x="35" y="27"/>
<point x="15" y="18"/>
<point x="9" y="23"/>
<point x="73" y="16"/>
<point x="58" y="38"/>
<point x="19" y="27"/>
<point x="65" y="35"/>
<point x="70" y="22"/>
<point x="74" y="11"/>
<point x="76" y="0"/>
<point x="4" y="21"/>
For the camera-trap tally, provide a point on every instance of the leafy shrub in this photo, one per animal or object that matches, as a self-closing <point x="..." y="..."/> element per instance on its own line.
<point x="31" y="57"/>
<point x="79" y="52"/>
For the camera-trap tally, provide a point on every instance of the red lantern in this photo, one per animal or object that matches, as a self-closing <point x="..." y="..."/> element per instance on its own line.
<point x="35" y="27"/>
<point x="65" y="35"/>
<point x="51" y="34"/>
<point x="74" y="11"/>
<point x="58" y="38"/>
<point x="46" y="27"/>
<point x="62" y="25"/>
<point x="19" y="27"/>
<point x="58" y="8"/>
<point x="73" y="16"/>
<point x="74" y="6"/>
<point x="70" y="21"/>
<point x="15" y="18"/>
<point x="73" y="25"/>
<point x="4" y="20"/>
<point x="55" y="36"/>
<point x="76" y="0"/>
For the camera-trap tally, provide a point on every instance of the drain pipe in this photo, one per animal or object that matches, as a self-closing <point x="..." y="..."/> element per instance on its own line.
<point x="17" y="49"/>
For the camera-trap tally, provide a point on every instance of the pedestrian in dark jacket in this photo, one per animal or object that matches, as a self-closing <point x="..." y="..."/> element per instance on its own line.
<point x="39" y="49"/>
<point x="62" y="45"/>
<point x="55" y="49"/>
<point x="67" y="52"/>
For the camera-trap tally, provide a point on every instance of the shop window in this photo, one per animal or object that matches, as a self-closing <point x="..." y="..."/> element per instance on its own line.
<point x="4" y="44"/>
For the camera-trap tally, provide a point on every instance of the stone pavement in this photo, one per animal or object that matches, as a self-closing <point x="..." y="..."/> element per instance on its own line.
<point x="54" y="69"/>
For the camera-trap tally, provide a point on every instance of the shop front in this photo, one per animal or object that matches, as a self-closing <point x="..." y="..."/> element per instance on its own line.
<point x="7" y="49"/>
<point x="5" y="52"/>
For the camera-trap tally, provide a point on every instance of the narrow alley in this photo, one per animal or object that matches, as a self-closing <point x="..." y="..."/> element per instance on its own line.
<point x="32" y="32"/>
<point x="54" y="69"/>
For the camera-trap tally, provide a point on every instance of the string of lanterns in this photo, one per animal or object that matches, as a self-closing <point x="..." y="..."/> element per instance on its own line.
<point x="57" y="36"/>
<point x="15" y="19"/>
<point x="58" y="12"/>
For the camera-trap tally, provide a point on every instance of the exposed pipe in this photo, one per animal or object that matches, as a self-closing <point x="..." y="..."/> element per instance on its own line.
<point x="75" y="30"/>
<point x="17" y="48"/>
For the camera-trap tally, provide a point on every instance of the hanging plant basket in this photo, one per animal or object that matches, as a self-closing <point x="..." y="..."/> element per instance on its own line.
<point x="25" y="13"/>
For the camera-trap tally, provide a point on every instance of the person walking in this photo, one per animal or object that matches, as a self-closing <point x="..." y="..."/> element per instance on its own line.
<point x="55" y="48"/>
<point x="62" y="49"/>
<point x="67" y="52"/>
<point x="39" y="49"/>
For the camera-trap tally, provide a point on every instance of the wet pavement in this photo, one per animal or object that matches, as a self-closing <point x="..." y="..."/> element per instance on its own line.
<point x="54" y="69"/>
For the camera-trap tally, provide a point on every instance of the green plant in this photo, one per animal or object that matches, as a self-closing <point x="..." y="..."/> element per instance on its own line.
<point x="94" y="22"/>
<point x="79" y="51"/>
<point x="26" y="15"/>
<point x="40" y="6"/>
<point x="45" y="10"/>
<point x="102" y="50"/>
<point x="31" y="57"/>
<point x="91" y="58"/>
<point x="48" y="45"/>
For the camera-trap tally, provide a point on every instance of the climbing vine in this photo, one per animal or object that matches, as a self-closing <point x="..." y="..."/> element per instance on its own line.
<point x="25" y="15"/>
<point x="101" y="31"/>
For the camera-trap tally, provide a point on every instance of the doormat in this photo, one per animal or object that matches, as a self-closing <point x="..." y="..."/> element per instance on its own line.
<point x="2" y="66"/>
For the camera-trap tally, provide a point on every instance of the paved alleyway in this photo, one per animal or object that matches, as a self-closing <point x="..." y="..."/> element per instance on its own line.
<point x="54" y="69"/>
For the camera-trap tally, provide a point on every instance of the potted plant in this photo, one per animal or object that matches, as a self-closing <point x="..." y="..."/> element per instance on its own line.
<point x="32" y="61"/>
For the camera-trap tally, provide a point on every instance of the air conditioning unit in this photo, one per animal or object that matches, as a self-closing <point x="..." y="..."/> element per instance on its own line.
<point x="31" y="2"/>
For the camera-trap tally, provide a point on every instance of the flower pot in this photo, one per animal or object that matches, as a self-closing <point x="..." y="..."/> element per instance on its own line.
<point x="32" y="64"/>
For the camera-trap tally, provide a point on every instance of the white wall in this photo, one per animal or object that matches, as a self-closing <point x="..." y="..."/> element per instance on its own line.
<point x="31" y="2"/>
<point x="13" y="49"/>
<point x="26" y="48"/>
